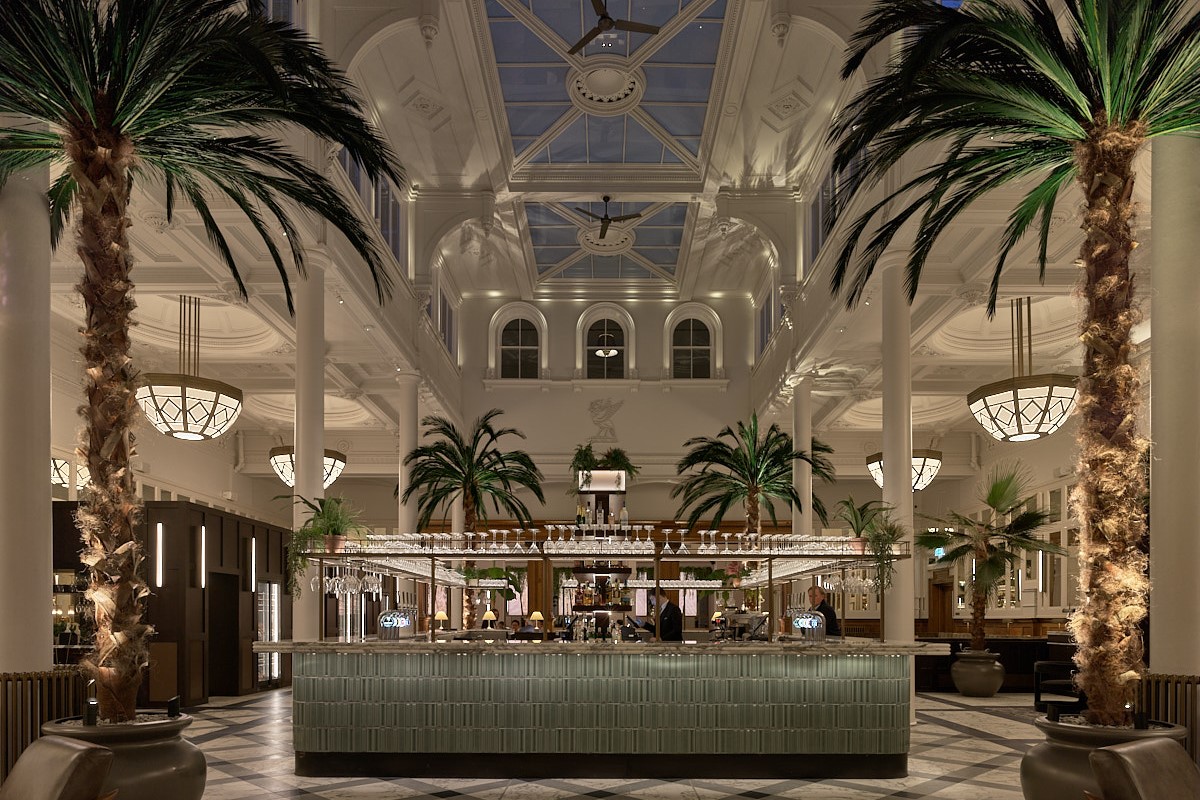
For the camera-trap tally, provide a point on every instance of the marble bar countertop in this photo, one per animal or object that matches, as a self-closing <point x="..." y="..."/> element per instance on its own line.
<point x="849" y="646"/>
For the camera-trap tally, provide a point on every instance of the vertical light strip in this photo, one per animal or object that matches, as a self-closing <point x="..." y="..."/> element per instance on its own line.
<point x="203" y="557"/>
<point x="158" y="556"/>
<point x="1041" y="571"/>
<point x="253" y="564"/>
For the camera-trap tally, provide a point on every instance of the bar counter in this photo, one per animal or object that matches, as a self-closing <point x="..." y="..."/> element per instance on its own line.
<point x="548" y="709"/>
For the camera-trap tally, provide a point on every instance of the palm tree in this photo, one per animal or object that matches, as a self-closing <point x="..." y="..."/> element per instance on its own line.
<point x="473" y="469"/>
<point x="188" y="95"/>
<point x="1019" y="94"/>
<point x="742" y="466"/>
<point x="861" y="519"/>
<point x="993" y="544"/>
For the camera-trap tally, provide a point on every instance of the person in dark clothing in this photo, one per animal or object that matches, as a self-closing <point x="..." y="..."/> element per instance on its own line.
<point x="670" y="617"/>
<point x="820" y="602"/>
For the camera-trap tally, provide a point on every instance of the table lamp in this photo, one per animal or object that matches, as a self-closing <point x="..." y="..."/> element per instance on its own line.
<point x="489" y="617"/>
<point x="441" y="617"/>
<point x="536" y="618"/>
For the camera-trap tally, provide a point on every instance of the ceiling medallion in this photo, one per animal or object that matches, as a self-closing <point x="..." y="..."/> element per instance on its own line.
<point x="615" y="242"/>
<point x="606" y="88"/>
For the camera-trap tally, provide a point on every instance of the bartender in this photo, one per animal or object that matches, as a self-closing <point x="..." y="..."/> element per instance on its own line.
<point x="820" y="602"/>
<point x="669" y="616"/>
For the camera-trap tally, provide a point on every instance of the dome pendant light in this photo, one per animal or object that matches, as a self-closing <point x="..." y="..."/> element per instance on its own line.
<point x="185" y="405"/>
<point x="283" y="461"/>
<point x="606" y="350"/>
<point x="1024" y="407"/>
<point x="925" y="466"/>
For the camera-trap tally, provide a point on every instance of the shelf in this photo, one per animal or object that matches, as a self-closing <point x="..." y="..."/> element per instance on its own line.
<point x="603" y="571"/>
<point x="614" y="607"/>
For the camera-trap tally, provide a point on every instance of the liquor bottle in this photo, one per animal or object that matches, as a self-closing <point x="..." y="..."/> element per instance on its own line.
<point x="624" y="516"/>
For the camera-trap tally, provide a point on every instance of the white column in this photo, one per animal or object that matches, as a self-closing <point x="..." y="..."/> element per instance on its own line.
<point x="802" y="519"/>
<point x="1174" y="387"/>
<point x="897" y="446"/>
<point x="406" y="435"/>
<point x="309" y="424"/>
<point x="25" y="526"/>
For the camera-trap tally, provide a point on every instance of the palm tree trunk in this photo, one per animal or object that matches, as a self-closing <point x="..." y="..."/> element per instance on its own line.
<point x="1108" y="498"/>
<point x="469" y="595"/>
<point x="752" y="512"/>
<point x="111" y="509"/>
<point x="978" y="613"/>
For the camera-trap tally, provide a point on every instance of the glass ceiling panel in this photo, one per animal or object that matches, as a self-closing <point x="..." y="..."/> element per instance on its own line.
<point x="605" y="268"/>
<point x="696" y="44"/>
<point x="495" y="10"/>
<point x="514" y="43"/>
<point x="672" y="215"/>
<point x="533" y="121"/>
<point x="546" y="235"/>
<point x="677" y="84"/>
<point x="544" y="84"/>
<point x="665" y="257"/>
<point x="539" y="214"/>
<point x="659" y="237"/>
<point x="547" y="257"/>
<point x="678" y="120"/>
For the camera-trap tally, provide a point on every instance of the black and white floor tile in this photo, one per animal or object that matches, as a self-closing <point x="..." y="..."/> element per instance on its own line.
<point x="962" y="749"/>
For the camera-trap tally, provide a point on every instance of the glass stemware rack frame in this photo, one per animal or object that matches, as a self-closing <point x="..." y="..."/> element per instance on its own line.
<point x="785" y="556"/>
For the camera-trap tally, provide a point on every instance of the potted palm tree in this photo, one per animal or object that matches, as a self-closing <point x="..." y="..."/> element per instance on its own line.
<point x="192" y="96"/>
<point x="1027" y="95"/>
<point x="987" y="548"/>
<point x="881" y="537"/>
<point x="473" y="469"/>
<point x="742" y="465"/>
<point x="1040" y="96"/>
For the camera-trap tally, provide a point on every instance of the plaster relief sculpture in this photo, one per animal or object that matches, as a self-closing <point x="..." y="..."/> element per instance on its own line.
<point x="602" y="411"/>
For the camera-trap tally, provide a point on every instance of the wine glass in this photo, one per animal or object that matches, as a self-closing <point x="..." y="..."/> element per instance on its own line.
<point x="726" y="551"/>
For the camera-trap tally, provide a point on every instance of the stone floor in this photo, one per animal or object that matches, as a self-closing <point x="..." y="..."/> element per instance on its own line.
<point x="962" y="749"/>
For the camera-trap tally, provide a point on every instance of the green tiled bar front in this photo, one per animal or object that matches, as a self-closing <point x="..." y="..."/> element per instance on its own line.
<point x="598" y="701"/>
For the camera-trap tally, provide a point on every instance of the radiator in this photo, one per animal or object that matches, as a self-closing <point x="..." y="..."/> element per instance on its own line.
<point x="27" y="699"/>
<point x="1174" y="698"/>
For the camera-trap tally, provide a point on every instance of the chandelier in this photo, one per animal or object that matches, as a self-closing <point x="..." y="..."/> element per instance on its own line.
<point x="925" y="467"/>
<point x="60" y="474"/>
<point x="606" y="351"/>
<point x="183" y="404"/>
<point x="1023" y="407"/>
<point x="283" y="461"/>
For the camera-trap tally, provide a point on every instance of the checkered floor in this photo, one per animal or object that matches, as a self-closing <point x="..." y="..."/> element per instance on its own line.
<point x="962" y="749"/>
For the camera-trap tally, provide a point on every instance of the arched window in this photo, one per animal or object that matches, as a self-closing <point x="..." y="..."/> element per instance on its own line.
<point x="605" y="345"/>
<point x="691" y="350"/>
<point x="517" y="343"/>
<point x="519" y="350"/>
<point x="692" y="344"/>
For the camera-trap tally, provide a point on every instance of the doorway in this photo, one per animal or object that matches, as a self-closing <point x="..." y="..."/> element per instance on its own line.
<point x="941" y="612"/>
<point x="223" y="625"/>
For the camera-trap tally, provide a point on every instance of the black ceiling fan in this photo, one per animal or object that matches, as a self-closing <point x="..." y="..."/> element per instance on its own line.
<point x="606" y="220"/>
<point x="606" y="23"/>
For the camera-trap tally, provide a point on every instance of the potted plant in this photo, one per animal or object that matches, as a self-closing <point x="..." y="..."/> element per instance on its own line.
<point x="331" y="521"/>
<point x="1052" y="100"/>
<point x="585" y="460"/>
<point x="143" y="101"/>
<point x="881" y="536"/>
<point x="860" y="519"/>
<point x="472" y="469"/>
<point x="746" y="466"/>
<point x="987" y="548"/>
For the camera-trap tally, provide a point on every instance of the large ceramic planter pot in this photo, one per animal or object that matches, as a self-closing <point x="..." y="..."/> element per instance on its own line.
<point x="977" y="673"/>
<point x="1058" y="768"/>
<point x="151" y="760"/>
